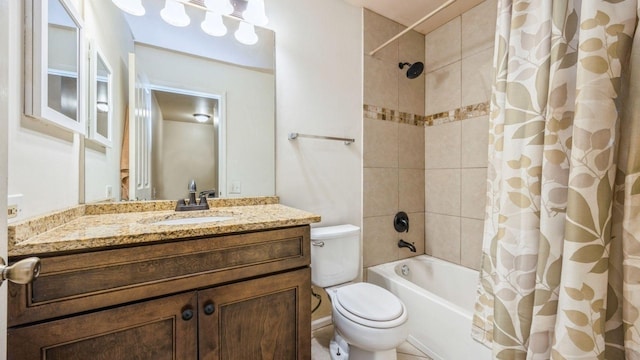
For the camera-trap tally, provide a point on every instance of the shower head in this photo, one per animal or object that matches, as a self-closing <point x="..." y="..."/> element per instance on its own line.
<point x="414" y="70"/>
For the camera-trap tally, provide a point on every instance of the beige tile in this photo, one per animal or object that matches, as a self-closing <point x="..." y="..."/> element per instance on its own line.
<point x="380" y="83"/>
<point x="443" y="45"/>
<point x="414" y="236"/>
<point x="377" y="30"/>
<point x="477" y="78"/>
<point x="324" y="309"/>
<point x="442" y="191"/>
<point x="320" y="340"/>
<point x="380" y="191"/>
<point x="380" y="143"/>
<point x="473" y="193"/>
<point x="411" y="95"/>
<point x="410" y="146"/>
<point x="379" y="241"/>
<point x="471" y="231"/>
<point x="443" y="89"/>
<point x="411" y="187"/>
<point x="411" y="47"/>
<point x="479" y="28"/>
<point x="442" y="237"/>
<point x="442" y="146"/>
<point x="475" y="142"/>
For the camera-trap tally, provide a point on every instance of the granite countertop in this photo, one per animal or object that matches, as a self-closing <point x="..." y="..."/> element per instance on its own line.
<point x="86" y="227"/>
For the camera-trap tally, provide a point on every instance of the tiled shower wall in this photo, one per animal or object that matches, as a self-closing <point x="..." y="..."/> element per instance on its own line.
<point x="393" y="141"/>
<point x="458" y="87"/>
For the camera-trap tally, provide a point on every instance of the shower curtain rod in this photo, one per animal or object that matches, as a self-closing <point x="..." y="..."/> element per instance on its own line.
<point x="412" y="26"/>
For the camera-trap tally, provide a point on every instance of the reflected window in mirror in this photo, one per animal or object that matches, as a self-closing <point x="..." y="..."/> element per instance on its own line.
<point x="101" y="100"/>
<point x="54" y="71"/>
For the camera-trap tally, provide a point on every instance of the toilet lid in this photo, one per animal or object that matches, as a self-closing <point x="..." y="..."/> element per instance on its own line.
<point x="370" y="302"/>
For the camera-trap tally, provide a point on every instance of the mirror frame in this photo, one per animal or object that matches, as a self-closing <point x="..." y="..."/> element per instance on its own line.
<point x="96" y="55"/>
<point x="36" y="66"/>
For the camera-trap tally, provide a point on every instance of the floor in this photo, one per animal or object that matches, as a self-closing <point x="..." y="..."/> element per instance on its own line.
<point x="320" y="347"/>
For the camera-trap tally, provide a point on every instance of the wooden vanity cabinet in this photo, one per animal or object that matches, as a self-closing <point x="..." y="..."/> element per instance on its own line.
<point x="241" y="312"/>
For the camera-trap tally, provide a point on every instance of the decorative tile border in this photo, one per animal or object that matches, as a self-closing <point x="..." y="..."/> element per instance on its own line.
<point x="379" y="113"/>
<point x="467" y="112"/>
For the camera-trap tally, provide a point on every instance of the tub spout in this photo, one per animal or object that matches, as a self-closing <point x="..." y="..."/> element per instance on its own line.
<point x="402" y="243"/>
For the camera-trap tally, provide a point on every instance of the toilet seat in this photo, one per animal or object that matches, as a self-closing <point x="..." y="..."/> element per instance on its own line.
<point x="370" y="305"/>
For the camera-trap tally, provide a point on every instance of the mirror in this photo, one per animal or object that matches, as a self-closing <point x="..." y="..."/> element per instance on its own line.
<point x="100" y="99"/>
<point x="180" y="115"/>
<point x="240" y="78"/>
<point x="55" y="73"/>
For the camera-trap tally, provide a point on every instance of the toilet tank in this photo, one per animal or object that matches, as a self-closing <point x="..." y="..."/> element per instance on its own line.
<point x="335" y="254"/>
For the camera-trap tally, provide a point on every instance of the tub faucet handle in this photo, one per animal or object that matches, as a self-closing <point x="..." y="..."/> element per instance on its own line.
<point x="401" y="222"/>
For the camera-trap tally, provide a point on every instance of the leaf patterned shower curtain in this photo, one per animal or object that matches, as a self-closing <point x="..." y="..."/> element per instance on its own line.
<point x="560" y="273"/>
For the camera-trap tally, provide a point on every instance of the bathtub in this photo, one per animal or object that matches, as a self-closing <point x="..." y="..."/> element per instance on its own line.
<point x="439" y="297"/>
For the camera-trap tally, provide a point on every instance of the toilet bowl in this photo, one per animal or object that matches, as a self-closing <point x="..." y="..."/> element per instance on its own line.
<point x="369" y="321"/>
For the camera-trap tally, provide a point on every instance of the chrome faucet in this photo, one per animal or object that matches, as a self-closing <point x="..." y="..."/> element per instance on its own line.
<point x="402" y="243"/>
<point x="192" y="204"/>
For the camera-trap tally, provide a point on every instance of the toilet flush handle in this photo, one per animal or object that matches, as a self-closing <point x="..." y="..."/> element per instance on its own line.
<point x="317" y="243"/>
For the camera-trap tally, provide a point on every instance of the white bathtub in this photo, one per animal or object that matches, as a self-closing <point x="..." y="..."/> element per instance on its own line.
<point x="439" y="297"/>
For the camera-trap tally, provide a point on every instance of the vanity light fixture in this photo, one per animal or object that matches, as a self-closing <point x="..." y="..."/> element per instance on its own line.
<point x="202" y="118"/>
<point x="213" y="24"/>
<point x="254" y="13"/>
<point x="223" y="7"/>
<point x="133" y="7"/>
<point x="246" y="33"/>
<point x="102" y="106"/>
<point x="174" y="13"/>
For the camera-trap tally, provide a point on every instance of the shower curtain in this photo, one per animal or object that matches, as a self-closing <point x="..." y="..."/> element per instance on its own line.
<point x="560" y="275"/>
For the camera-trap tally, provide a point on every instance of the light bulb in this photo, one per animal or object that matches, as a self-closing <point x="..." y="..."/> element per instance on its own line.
<point x="223" y="7"/>
<point x="255" y="13"/>
<point x="213" y="24"/>
<point x="201" y="117"/>
<point x="174" y="13"/>
<point x="133" y="7"/>
<point x="246" y="33"/>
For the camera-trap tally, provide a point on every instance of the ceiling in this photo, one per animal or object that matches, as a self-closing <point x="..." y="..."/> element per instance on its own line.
<point x="181" y="107"/>
<point x="407" y="12"/>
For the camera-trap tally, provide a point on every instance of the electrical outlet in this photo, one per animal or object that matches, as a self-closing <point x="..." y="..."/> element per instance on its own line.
<point x="12" y="211"/>
<point x="14" y="206"/>
<point x="109" y="192"/>
<point x="236" y="187"/>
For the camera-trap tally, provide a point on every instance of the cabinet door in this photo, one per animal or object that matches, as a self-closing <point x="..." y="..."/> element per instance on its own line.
<point x="265" y="318"/>
<point x="157" y="329"/>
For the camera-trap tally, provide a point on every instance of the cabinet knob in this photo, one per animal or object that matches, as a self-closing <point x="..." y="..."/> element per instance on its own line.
<point x="187" y="314"/>
<point x="209" y="309"/>
<point x="22" y="272"/>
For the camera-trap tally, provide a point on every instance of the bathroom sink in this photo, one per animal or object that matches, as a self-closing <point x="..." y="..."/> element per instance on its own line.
<point x="192" y="220"/>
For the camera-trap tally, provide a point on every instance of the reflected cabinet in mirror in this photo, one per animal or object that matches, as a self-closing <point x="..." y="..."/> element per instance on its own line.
<point x="54" y="63"/>
<point x="100" y="99"/>
<point x="184" y="105"/>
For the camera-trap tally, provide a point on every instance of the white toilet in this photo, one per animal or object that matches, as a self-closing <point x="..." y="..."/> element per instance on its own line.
<point x="369" y="321"/>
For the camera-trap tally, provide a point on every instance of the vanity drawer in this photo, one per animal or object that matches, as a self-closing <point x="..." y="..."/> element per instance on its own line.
<point x="70" y="284"/>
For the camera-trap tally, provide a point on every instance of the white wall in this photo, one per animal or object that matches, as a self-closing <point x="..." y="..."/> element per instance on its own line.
<point x="102" y="164"/>
<point x="319" y="91"/>
<point x="185" y="160"/>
